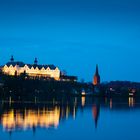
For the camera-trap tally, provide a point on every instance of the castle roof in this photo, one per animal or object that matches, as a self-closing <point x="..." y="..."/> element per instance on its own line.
<point x="21" y="64"/>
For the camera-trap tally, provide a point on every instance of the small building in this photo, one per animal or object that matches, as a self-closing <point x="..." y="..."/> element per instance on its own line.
<point x="68" y="78"/>
<point x="32" y="70"/>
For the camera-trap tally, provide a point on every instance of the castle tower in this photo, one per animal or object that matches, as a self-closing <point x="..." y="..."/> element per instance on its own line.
<point x="35" y="61"/>
<point x="96" y="79"/>
<point x="12" y="59"/>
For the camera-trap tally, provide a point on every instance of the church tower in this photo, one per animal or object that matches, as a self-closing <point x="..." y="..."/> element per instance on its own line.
<point x="96" y="79"/>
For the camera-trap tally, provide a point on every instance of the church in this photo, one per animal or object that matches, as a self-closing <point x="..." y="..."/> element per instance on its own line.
<point x="96" y="78"/>
<point x="32" y="70"/>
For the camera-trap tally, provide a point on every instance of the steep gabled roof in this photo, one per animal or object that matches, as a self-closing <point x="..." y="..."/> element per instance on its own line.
<point x="52" y="67"/>
<point x="20" y="64"/>
<point x="29" y="65"/>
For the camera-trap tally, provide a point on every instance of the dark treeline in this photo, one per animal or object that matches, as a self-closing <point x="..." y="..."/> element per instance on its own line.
<point x="19" y="87"/>
<point x="121" y="88"/>
<point x="39" y="89"/>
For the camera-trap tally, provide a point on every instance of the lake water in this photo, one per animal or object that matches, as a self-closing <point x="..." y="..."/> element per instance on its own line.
<point x="82" y="118"/>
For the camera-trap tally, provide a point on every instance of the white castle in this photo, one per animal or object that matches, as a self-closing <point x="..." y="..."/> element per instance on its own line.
<point x="32" y="70"/>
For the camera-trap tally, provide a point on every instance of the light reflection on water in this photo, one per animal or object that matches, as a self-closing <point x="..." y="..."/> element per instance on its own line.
<point x="30" y="118"/>
<point x="131" y="102"/>
<point x="37" y="118"/>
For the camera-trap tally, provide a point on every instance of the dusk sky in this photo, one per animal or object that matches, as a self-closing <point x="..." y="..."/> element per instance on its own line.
<point x="75" y="35"/>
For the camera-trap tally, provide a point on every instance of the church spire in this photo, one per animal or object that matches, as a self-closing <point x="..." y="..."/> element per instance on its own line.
<point x="12" y="59"/>
<point x="96" y="79"/>
<point x="97" y="70"/>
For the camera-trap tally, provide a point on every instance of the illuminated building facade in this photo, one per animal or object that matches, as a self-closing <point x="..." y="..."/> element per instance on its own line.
<point x="32" y="70"/>
<point x="96" y="79"/>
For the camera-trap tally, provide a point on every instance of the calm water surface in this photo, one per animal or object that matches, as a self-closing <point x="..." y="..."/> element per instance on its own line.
<point x="82" y="118"/>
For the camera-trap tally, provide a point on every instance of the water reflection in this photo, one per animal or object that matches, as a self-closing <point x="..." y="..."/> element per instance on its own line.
<point x="17" y="119"/>
<point x="21" y="116"/>
<point x="83" y="101"/>
<point x="24" y="116"/>
<point x="131" y="101"/>
<point x="111" y="104"/>
<point x="96" y="113"/>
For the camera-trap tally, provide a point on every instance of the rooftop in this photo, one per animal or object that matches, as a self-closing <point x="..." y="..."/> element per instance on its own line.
<point x="22" y="64"/>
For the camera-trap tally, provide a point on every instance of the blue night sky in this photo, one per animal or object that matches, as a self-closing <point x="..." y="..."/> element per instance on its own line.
<point x="74" y="35"/>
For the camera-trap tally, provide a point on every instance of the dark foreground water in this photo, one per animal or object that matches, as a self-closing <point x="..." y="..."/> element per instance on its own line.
<point x="82" y="118"/>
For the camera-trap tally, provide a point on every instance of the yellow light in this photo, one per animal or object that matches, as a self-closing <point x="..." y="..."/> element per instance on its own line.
<point x="32" y="72"/>
<point x="31" y="118"/>
<point x="83" y="101"/>
<point x="131" y="102"/>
